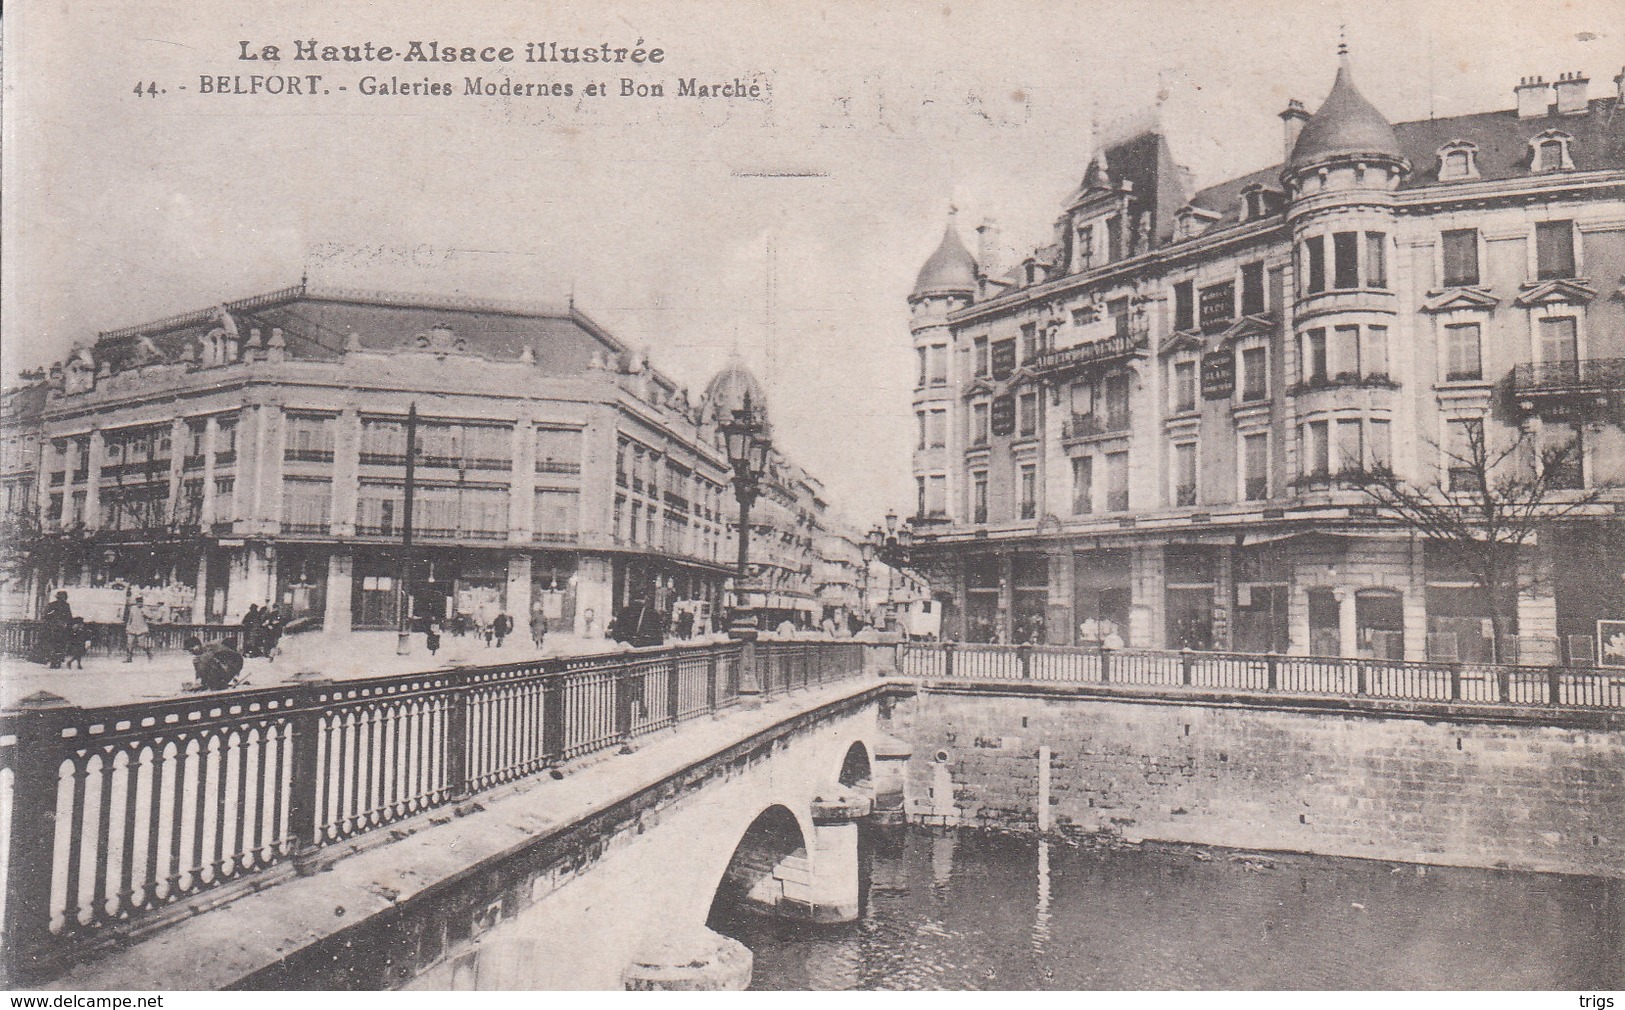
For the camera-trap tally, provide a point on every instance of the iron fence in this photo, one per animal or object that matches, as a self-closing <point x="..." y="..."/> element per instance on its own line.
<point x="112" y="814"/>
<point x="1269" y="673"/>
<point x="27" y="639"/>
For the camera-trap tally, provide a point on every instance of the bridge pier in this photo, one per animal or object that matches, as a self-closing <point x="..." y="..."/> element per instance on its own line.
<point x="832" y="890"/>
<point x="888" y="776"/>
<point x="691" y="960"/>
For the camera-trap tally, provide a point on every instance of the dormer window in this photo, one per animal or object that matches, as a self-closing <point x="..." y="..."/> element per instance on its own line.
<point x="1549" y="152"/>
<point x="1458" y="160"/>
<point x="1256" y="203"/>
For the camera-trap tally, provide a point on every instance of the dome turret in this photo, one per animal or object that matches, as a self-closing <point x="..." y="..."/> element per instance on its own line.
<point x="951" y="270"/>
<point x="732" y="389"/>
<point x="1345" y="127"/>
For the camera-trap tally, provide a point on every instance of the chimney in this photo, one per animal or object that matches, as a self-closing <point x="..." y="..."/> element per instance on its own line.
<point x="987" y="247"/>
<point x="1571" y="93"/>
<point x="1619" y="85"/>
<point x="1292" y="118"/>
<point x="1533" y="97"/>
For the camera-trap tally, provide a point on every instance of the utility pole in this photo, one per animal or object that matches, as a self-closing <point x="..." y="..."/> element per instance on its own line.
<point x="403" y="641"/>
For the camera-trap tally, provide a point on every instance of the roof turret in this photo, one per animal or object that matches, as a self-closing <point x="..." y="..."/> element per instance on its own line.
<point x="951" y="270"/>
<point x="1346" y="126"/>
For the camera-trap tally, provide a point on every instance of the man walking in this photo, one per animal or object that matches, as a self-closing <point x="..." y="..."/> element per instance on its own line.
<point x="58" y="624"/>
<point x="137" y="633"/>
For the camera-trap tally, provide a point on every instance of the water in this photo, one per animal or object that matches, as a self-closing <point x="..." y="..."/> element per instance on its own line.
<point x="964" y="910"/>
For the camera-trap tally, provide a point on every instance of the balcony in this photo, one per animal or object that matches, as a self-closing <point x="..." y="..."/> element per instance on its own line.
<point x="1076" y="359"/>
<point x="1582" y="377"/>
<point x="1088" y="425"/>
<point x="307" y="455"/>
<point x="1343" y="380"/>
<point x="566" y="466"/>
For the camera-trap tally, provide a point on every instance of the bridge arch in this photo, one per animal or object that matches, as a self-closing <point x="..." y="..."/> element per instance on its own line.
<point x="857" y="766"/>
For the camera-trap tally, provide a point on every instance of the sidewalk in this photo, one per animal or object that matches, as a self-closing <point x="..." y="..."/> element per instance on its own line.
<point x="111" y="681"/>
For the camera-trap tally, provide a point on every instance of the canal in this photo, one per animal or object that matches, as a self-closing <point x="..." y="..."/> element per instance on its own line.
<point x="970" y="910"/>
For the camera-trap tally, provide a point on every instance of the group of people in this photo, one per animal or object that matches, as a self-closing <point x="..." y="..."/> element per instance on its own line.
<point x="66" y="638"/>
<point x="262" y="631"/>
<point x="494" y="631"/>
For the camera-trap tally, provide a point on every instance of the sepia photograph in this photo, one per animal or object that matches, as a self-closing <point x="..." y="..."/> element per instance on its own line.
<point x="1010" y="495"/>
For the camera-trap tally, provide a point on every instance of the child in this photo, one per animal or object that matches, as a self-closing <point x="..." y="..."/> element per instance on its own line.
<point x="431" y="636"/>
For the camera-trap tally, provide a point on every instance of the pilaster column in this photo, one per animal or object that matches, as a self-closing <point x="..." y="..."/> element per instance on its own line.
<point x="1415" y="603"/>
<point x="336" y="616"/>
<point x="1060" y="627"/>
<point x="268" y="476"/>
<point x="211" y="428"/>
<point x="519" y="570"/>
<point x="1007" y="597"/>
<point x="522" y="487"/>
<point x="1347" y="622"/>
<point x="346" y="479"/>
<point x="93" y="484"/>
<point x="200" y="599"/>
<point x="178" y="439"/>
<point x="1224" y="596"/>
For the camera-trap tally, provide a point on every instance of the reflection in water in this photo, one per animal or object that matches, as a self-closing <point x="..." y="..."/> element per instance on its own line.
<point x="958" y="910"/>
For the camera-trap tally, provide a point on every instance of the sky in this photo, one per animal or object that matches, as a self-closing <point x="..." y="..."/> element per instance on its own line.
<point x="788" y="228"/>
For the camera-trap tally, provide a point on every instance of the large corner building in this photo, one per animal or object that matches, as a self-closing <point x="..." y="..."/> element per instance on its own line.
<point x="1153" y="424"/>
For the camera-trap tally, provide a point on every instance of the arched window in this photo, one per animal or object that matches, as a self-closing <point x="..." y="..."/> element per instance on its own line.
<point x="1458" y="160"/>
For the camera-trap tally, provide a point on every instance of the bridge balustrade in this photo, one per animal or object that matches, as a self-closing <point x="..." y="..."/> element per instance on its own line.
<point x="113" y="815"/>
<point x="1268" y="673"/>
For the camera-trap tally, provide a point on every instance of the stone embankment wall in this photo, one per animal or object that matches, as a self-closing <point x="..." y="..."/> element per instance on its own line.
<point x="1453" y="785"/>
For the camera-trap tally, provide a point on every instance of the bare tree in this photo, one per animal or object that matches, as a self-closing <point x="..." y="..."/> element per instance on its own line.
<point x="1486" y="505"/>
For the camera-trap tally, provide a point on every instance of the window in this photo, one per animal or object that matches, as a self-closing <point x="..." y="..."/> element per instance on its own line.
<point x="637" y="521"/>
<point x="1252" y="288"/>
<point x="1460" y="257"/>
<point x="1117" y="308"/>
<point x="1116" y="402"/>
<point x="1463" y="361"/>
<point x="1114" y="238"/>
<point x="1086" y="246"/>
<point x="1314" y="266"/>
<point x="1184" y="387"/>
<point x="309" y="438"/>
<point x="1027" y="407"/>
<point x="919" y="417"/>
<point x="938" y="359"/>
<point x="1253" y="204"/>
<point x="1464" y="453"/>
<point x="1346" y="351"/>
<point x="919" y="496"/>
<point x="1376" y="259"/>
<point x="1316" y="449"/>
<point x="920" y="352"/>
<point x="1217" y="305"/>
<point x="1562" y="455"/>
<point x="1028" y="478"/>
<point x="1254" y="373"/>
<point x="1346" y="259"/>
<point x="1374" y="352"/>
<point x="1382" y="444"/>
<point x="1456" y="164"/>
<point x="1350" y="445"/>
<point x="1314" y="356"/>
<point x="936" y="495"/>
<point x="558" y="451"/>
<point x="1559" y="342"/>
<point x="979" y="496"/>
<point x="1117" y="482"/>
<point x="938" y="428"/>
<point x="1185" y="473"/>
<point x="979" y="433"/>
<point x="1551" y="152"/>
<point x="1083" y="398"/>
<point x="979" y="346"/>
<point x="382" y="442"/>
<point x="1029" y="342"/>
<point x="1184" y="306"/>
<point x="1554" y="250"/>
<point x="557" y="515"/>
<point x="306" y="505"/>
<point x="1083" y="485"/>
<point x="1255" y="462"/>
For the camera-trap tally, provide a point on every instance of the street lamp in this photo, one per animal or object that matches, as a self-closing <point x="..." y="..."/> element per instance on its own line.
<point x="746" y="441"/>
<point x="866" y="549"/>
<point x="892" y="545"/>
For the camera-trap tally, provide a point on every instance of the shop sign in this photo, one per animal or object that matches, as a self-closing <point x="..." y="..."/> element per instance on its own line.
<point x="1218" y="375"/>
<point x="1004" y="415"/>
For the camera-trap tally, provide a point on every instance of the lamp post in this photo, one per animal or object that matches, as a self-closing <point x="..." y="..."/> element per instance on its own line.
<point x="403" y="636"/>
<point x="892" y="545"/>
<point x="746" y="440"/>
<point x="867" y="550"/>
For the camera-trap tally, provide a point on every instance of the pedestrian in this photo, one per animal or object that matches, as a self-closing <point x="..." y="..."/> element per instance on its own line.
<point x="538" y="626"/>
<point x="79" y="643"/>
<point x="252" y="621"/>
<point x="270" y="634"/>
<point x="638" y="624"/>
<point x="137" y="633"/>
<point x="431" y="635"/>
<point x="501" y="627"/>
<point x="58" y="618"/>
<point x="216" y="664"/>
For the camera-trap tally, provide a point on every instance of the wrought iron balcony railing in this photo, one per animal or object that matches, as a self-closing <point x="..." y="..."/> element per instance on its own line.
<point x="1085" y="425"/>
<point x="1584" y="375"/>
